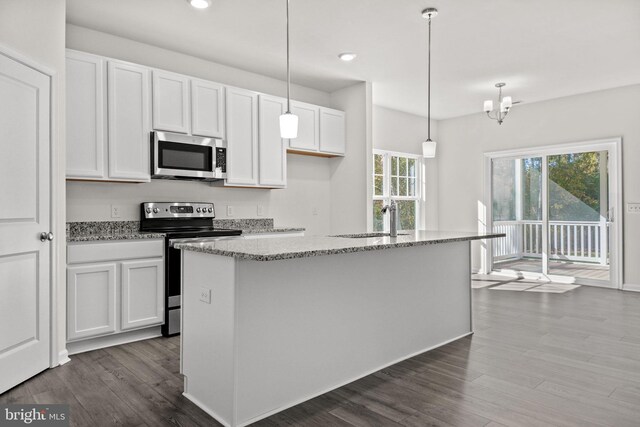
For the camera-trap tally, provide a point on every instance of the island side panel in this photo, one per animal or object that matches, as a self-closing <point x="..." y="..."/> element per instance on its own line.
<point x="309" y="325"/>
<point x="207" y="342"/>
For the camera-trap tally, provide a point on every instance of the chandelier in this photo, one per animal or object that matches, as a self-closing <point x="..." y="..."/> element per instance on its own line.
<point x="504" y="106"/>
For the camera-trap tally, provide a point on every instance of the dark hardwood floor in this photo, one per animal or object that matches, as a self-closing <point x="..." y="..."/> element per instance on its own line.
<point x="536" y="359"/>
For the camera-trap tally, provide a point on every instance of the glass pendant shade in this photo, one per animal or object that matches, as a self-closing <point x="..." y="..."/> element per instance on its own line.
<point x="288" y="126"/>
<point x="429" y="149"/>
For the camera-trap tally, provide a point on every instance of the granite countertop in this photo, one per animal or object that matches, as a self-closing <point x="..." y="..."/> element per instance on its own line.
<point x="88" y="231"/>
<point x="302" y="247"/>
<point x="272" y="230"/>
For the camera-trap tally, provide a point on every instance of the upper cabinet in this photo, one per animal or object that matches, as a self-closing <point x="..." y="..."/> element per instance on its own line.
<point x="272" y="154"/>
<point x="86" y="116"/>
<point x="332" y="131"/>
<point x="170" y="102"/>
<point x="207" y="109"/>
<point x="108" y="120"/>
<point x="128" y="103"/>
<point x="242" y="137"/>
<point x="321" y="131"/>
<point x="308" y="127"/>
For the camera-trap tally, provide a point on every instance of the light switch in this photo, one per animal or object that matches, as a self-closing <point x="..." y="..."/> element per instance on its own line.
<point x="205" y="295"/>
<point x="229" y="210"/>
<point x="260" y="210"/>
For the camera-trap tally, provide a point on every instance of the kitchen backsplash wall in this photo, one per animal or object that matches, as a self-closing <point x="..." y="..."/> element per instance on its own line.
<point x="304" y="203"/>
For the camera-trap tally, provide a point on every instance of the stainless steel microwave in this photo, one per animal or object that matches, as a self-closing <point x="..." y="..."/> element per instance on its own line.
<point x="177" y="156"/>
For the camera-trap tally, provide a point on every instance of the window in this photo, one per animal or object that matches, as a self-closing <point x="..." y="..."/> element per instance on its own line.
<point x="396" y="176"/>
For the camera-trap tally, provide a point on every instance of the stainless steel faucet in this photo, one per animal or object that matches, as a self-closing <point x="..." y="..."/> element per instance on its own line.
<point x="393" y="212"/>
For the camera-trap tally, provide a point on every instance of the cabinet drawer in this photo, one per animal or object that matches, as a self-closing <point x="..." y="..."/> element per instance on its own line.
<point x="80" y="252"/>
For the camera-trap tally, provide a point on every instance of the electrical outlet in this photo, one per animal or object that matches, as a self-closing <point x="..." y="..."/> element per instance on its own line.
<point x="115" y="211"/>
<point x="260" y="210"/>
<point x="230" y="210"/>
<point x="314" y="211"/>
<point x="633" y="207"/>
<point x="205" y="295"/>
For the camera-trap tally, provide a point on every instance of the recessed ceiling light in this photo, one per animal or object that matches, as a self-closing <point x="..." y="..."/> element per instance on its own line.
<point x="347" y="56"/>
<point x="200" y="4"/>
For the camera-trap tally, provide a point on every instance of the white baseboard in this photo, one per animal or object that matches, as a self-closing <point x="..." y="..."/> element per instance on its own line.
<point x="631" y="287"/>
<point x="63" y="357"/>
<point x="75" y="347"/>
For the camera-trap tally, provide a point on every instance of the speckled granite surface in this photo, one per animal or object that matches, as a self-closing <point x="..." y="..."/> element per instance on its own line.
<point x="87" y="231"/>
<point x="301" y="247"/>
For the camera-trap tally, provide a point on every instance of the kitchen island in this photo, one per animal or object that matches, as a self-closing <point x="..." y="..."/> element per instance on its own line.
<point x="270" y="323"/>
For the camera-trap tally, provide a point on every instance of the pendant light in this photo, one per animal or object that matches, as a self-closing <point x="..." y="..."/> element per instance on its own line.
<point x="288" y="120"/>
<point x="429" y="146"/>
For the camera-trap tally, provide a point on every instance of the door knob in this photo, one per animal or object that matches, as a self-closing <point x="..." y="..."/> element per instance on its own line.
<point x="44" y="236"/>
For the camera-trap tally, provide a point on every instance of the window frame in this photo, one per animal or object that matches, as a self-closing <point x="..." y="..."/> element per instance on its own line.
<point x="386" y="196"/>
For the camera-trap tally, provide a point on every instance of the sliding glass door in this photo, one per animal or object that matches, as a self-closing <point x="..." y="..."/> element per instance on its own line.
<point x="578" y="188"/>
<point x="556" y="208"/>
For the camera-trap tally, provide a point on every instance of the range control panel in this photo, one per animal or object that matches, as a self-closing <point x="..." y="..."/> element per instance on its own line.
<point x="178" y="210"/>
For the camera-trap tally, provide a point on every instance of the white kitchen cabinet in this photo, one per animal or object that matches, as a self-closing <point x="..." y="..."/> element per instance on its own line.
<point x="242" y="137"/>
<point x="308" y="127"/>
<point x="129" y="123"/>
<point x="91" y="300"/>
<point x="207" y="109"/>
<point x="142" y="291"/>
<point x="113" y="288"/>
<point x="272" y="152"/>
<point x="170" y="102"/>
<point x="332" y="131"/>
<point x="86" y="116"/>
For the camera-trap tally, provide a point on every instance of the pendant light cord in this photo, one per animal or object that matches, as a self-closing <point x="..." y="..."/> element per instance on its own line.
<point x="429" y="86"/>
<point x="288" y="68"/>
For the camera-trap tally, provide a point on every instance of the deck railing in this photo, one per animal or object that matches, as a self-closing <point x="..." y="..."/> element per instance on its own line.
<point x="584" y="241"/>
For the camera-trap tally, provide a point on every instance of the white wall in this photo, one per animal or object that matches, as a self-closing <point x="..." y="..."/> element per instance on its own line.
<point x="36" y="30"/>
<point x="609" y="113"/>
<point x="399" y="131"/>
<point x="351" y="180"/>
<point x="308" y="185"/>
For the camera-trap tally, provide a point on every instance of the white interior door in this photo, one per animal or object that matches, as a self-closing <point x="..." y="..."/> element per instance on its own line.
<point x="25" y="273"/>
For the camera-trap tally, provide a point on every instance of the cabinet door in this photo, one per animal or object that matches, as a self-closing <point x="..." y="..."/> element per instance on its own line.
<point x="242" y="137"/>
<point x="207" y="109"/>
<point x="91" y="300"/>
<point x="142" y="296"/>
<point x="271" y="148"/>
<point x="86" y="116"/>
<point x="308" y="127"/>
<point x="332" y="131"/>
<point x="129" y="124"/>
<point x="170" y="102"/>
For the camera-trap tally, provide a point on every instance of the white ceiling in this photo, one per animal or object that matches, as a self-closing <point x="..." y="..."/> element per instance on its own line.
<point x="542" y="49"/>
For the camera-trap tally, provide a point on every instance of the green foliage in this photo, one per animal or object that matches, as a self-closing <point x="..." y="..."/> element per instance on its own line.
<point x="576" y="193"/>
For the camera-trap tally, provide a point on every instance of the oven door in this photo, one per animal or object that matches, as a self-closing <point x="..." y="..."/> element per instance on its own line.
<point x="183" y="156"/>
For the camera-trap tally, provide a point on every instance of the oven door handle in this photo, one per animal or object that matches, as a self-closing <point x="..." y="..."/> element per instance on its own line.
<point x="202" y="239"/>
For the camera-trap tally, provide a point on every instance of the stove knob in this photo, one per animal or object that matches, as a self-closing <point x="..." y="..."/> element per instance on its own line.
<point x="210" y="210"/>
<point x="198" y="210"/>
<point x="156" y="210"/>
<point x="148" y="210"/>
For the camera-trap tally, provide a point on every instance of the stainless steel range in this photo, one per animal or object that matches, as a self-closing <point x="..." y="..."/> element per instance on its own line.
<point x="181" y="222"/>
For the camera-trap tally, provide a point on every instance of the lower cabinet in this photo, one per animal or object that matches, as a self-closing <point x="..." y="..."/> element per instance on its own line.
<point x="91" y="300"/>
<point x="114" y="287"/>
<point x="142" y="292"/>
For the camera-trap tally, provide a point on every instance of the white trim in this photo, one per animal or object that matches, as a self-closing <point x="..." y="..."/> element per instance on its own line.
<point x="314" y="394"/>
<point x="56" y="356"/>
<point x="63" y="357"/>
<point x="631" y="287"/>
<point x="613" y="145"/>
<point x="81" y="346"/>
